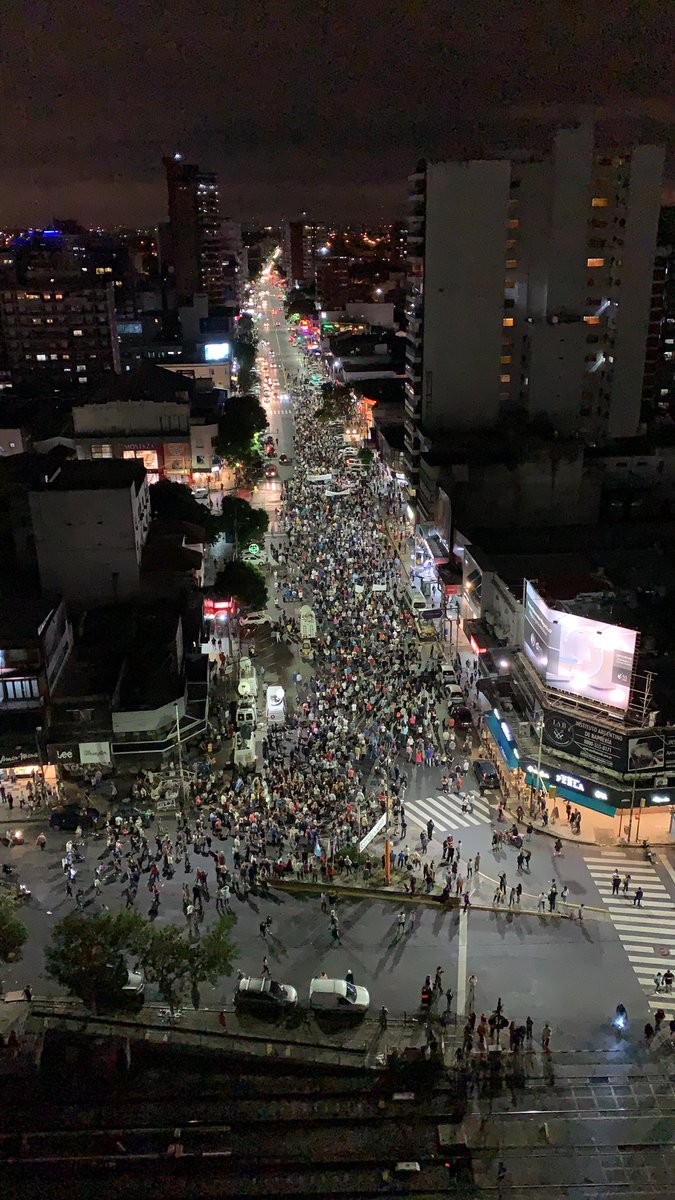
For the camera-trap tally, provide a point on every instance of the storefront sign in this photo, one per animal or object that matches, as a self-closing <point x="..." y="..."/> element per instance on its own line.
<point x="65" y="755"/>
<point x="16" y="758"/>
<point x="594" y="743"/>
<point x="95" y="753"/>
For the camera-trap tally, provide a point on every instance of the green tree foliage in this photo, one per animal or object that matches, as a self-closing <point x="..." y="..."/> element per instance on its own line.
<point x="300" y="302"/>
<point x="244" y="417"/>
<point x="366" y="457"/>
<point x="88" y="955"/>
<point x="243" y="522"/>
<point x="244" y="352"/>
<point x="242" y="582"/>
<point x="13" y="932"/>
<point x="172" y="961"/>
<point x="175" y="502"/>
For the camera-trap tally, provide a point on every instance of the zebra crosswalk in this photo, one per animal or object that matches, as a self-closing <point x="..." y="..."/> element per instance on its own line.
<point x="446" y="812"/>
<point x="647" y="934"/>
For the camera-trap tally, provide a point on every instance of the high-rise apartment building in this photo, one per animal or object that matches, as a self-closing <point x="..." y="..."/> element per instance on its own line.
<point x="530" y="283"/>
<point x="195" y="243"/>
<point x="301" y="248"/>
<point x="57" y="316"/>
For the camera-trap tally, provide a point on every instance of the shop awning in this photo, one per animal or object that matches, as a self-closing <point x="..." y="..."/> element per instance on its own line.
<point x="503" y="736"/>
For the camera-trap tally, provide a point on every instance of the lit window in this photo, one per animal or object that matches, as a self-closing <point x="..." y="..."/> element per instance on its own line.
<point x="507" y="322"/>
<point x="592" y="320"/>
<point x="41" y="357"/>
<point x="506" y="359"/>
<point x="595" y="262"/>
<point x="77" y="333"/>
<point x="504" y="378"/>
<point x="511" y="262"/>
<point x="599" y="202"/>
<point x="513" y="223"/>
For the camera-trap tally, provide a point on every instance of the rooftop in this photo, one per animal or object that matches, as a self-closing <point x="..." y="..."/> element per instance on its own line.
<point x="105" y="474"/>
<point x="146" y="382"/>
<point x="22" y="617"/>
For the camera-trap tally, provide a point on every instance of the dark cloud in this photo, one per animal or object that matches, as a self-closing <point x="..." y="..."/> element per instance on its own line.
<point x="298" y="105"/>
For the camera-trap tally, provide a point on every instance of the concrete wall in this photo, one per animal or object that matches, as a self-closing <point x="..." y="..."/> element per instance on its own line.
<point x="89" y="543"/>
<point x="131" y="417"/>
<point x="540" y="491"/>
<point x="636" y="272"/>
<point x="466" y="216"/>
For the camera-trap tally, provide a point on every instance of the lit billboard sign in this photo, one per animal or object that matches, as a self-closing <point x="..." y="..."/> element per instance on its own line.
<point x="574" y="654"/>
<point x="216" y="351"/>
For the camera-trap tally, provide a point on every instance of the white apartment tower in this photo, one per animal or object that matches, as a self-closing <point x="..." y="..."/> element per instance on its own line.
<point x="530" y="287"/>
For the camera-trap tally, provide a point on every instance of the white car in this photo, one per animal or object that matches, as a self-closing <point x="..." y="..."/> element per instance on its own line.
<point x="254" y="618"/>
<point x="200" y="493"/>
<point x="260" y="558"/>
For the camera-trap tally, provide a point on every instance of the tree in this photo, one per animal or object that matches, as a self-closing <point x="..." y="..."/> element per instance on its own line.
<point x="88" y="954"/>
<point x="175" y="502"/>
<point x="167" y="961"/>
<point x="13" y="932"/>
<point x="172" y="961"/>
<point x="366" y="457"/>
<point x="244" y="417"/>
<point x="244" y="354"/>
<point x="245" y="523"/>
<point x="242" y="582"/>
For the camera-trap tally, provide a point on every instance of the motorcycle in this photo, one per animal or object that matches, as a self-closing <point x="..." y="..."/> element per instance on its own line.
<point x="620" y="1021"/>
<point x="13" y="837"/>
<point x="649" y="853"/>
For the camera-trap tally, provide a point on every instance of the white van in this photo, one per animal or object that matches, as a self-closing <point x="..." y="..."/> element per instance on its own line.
<point x="417" y="603"/>
<point x="336" y="995"/>
<point x="248" y="678"/>
<point x="246" y="714"/>
<point x="276" y="705"/>
<point x="244" y="748"/>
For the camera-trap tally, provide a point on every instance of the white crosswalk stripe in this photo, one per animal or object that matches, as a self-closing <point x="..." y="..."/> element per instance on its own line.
<point x="647" y="933"/>
<point x="446" y="813"/>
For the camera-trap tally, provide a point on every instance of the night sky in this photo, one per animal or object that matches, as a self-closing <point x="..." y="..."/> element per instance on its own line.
<point x="297" y="105"/>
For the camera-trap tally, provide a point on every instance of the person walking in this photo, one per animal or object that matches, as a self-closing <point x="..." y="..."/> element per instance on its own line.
<point x="616" y="883"/>
<point x="626" y="883"/>
<point x="384" y="1013"/>
<point x="541" y="905"/>
<point x="438" y="979"/>
<point x="400" y="920"/>
<point x="637" y="898"/>
<point x="546" y="1038"/>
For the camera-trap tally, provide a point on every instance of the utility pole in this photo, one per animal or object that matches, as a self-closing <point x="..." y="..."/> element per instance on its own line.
<point x="181" y="774"/>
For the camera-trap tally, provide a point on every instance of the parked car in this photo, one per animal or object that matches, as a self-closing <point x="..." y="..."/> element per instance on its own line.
<point x="265" y="993"/>
<point x="256" y="618"/>
<point x="200" y="493"/>
<point x="461" y="715"/>
<point x="337" y="995"/>
<point x="486" y="773"/>
<point x="69" y="816"/>
<point x="454" y="693"/>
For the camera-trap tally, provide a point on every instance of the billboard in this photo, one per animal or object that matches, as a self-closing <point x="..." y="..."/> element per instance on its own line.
<point x="216" y="351"/>
<point x="577" y="655"/>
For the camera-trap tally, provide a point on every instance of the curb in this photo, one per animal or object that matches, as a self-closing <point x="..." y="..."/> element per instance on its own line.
<point x="315" y="889"/>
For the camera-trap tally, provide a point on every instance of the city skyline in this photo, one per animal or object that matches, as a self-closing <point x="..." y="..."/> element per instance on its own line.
<point x="320" y="116"/>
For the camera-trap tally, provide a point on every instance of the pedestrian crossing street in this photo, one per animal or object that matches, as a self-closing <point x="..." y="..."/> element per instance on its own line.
<point x="647" y="933"/>
<point x="446" y="812"/>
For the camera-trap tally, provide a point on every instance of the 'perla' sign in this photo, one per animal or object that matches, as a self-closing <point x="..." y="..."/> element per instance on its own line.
<point x="569" y="781"/>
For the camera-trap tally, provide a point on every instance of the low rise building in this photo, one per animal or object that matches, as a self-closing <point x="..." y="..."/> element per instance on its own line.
<point x="90" y="523"/>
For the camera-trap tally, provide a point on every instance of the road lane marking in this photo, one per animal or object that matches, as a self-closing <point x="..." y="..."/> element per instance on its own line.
<point x="461" y="961"/>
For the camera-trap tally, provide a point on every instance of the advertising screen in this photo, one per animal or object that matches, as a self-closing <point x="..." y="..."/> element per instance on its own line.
<point x="574" y="654"/>
<point x="216" y="351"/>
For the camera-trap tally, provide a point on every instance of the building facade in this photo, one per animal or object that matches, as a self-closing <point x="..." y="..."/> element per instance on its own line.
<point x="91" y="522"/>
<point x="530" y="285"/>
<point x="194" y="245"/>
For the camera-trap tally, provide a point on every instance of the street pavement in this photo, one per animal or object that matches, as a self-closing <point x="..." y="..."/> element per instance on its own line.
<point x="571" y="973"/>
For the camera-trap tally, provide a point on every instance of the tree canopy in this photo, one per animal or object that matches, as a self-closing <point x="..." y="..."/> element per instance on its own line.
<point x="88" y="954"/>
<point x="172" y="961"/>
<point x="175" y="502"/>
<point x="13" y="932"/>
<point x="243" y="522"/>
<point x="244" y="417"/>
<point x="242" y="582"/>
